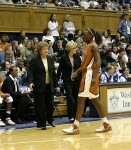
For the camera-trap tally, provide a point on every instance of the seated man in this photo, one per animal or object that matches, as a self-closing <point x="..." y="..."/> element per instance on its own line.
<point x="5" y="97"/>
<point x="21" y="100"/>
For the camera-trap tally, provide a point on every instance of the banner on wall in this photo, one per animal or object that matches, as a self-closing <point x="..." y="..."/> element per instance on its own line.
<point x="119" y="100"/>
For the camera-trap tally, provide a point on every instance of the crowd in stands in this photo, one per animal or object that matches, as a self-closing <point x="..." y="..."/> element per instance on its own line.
<point x="15" y="57"/>
<point x="117" y="5"/>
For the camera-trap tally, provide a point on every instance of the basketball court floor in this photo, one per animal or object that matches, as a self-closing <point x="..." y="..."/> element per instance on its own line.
<point x="54" y="139"/>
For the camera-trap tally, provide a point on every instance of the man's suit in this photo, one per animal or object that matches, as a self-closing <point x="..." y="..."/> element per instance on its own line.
<point x="43" y="93"/>
<point x="21" y="102"/>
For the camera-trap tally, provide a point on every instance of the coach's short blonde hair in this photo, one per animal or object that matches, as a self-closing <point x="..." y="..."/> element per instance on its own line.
<point x="70" y="45"/>
<point x="41" y="44"/>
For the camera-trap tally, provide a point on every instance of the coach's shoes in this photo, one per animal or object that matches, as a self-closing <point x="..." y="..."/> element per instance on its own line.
<point x="71" y="130"/>
<point x="2" y="124"/>
<point x="104" y="128"/>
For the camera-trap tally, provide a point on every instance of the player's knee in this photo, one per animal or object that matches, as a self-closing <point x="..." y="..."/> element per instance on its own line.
<point x="9" y="99"/>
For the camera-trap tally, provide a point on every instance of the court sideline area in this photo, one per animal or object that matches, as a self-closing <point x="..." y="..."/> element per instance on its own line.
<point x="32" y="138"/>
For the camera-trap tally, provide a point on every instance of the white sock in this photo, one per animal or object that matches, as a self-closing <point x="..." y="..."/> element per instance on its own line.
<point x="76" y="122"/>
<point x="104" y="120"/>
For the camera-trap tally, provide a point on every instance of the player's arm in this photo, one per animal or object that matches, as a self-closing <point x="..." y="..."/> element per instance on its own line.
<point x="97" y="59"/>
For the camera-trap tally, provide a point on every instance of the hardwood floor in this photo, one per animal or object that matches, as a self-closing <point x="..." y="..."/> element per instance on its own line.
<point x="54" y="139"/>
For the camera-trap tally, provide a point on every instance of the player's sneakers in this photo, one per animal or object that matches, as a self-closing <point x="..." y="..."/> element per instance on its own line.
<point x="71" y="130"/>
<point x="104" y="128"/>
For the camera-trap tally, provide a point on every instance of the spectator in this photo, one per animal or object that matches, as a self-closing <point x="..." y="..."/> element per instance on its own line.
<point x="21" y="101"/>
<point x="4" y="42"/>
<point x="47" y="35"/>
<point x="124" y="27"/>
<point x="53" y="26"/>
<point x="21" y="36"/>
<point x="5" y="66"/>
<point x="123" y="77"/>
<point x="68" y="26"/>
<point x="16" y="51"/>
<point x="49" y="3"/>
<point x="107" y="76"/>
<point x="59" y="50"/>
<point x="6" y="98"/>
<point x="129" y="64"/>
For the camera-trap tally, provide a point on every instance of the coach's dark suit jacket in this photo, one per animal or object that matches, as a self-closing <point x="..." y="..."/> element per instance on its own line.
<point x="65" y="67"/>
<point x="71" y="87"/>
<point x="37" y="74"/>
<point x="43" y="93"/>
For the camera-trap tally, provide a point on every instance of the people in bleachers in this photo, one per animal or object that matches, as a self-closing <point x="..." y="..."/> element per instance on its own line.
<point x="69" y="63"/>
<point x="54" y="26"/>
<point x="129" y="64"/>
<point x="106" y="38"/>
<point x="106" y="58"/>
<point x="47" y="35"/>
<point x="2" y="56"/>
<point x="43" y="83"/>
<point x="70" y="37"/>
<point x="116" y="40"/>
<point x="114" y="53"/>
<point x="21" y="100"/>
<point x="78" y="33"/>
<point x="49" y="3"/>
<point x="84" y="3"/>
<point x="59" y="50"/>
<point x="122" y="59"/>
<point x="121" y="45"/>
<point x="80" y="45"/>
<point x="94" y="3"/>
<point x="35" y="41"/>
<point x="110" y="5"/>
<point x="50" y="50"/>
<point x="107" y="75"/>
<point x="124" y="26"/>
<point x="9" y="55"/>
<point x="123" y="77"/>
<point x="23" y="48"/>
<point x="16" y="51"/>
<point x="116" y="72"/>
<point x="128" y="50"/>
<point x="6" y="98"/>
<point x="23" y="42"/>
<point x="63" y="39"/>
<point x="4" y="42"/>
<point x="29" y="54"/>
<point x="91" y="5"/>
<point x="127" y="8"/>
<point x="120" y="8"/>
<point x="68" y="26"/>
<point x="6" y="2"/>
<point x="104" y="6"/>
<point x="21" y="36"/>
<point x="22" y="73"/>
<point x="124" y="41"/>
<point x="5" y="66"/>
